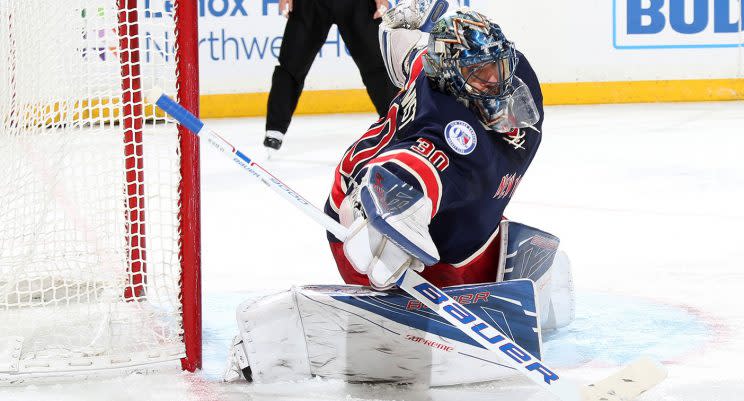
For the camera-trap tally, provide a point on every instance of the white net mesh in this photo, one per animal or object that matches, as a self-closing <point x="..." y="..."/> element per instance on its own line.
<point x="66" y="242"/>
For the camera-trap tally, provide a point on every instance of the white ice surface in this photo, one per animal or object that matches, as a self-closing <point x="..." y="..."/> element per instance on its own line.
<point x="647" y="200"/>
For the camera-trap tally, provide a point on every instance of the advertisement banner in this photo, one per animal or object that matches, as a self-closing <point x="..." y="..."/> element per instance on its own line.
<point x="584" y="51"/>
<point x="677" y="23"/>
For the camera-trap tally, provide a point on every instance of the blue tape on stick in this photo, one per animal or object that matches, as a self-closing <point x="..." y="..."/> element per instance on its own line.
<point x="181" y="115"/>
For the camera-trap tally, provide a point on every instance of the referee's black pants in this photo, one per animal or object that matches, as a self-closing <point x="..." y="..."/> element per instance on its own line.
<point x="304" y="35"/>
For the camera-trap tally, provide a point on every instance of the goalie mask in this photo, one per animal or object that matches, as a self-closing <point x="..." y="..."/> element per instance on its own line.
<point x="469" y="58"/>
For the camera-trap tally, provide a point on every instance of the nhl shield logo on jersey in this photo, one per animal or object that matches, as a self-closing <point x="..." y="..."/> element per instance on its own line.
<point x="460" y="137"/>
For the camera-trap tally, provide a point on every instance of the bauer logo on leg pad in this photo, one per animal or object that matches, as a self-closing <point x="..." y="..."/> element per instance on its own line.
<point x="485" y="331"/>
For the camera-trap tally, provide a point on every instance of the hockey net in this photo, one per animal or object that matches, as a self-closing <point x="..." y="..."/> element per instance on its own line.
<point x="99" y="227"/>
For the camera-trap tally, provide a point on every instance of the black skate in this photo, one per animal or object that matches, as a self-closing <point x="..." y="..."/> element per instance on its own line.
<point x="273" y="140"/>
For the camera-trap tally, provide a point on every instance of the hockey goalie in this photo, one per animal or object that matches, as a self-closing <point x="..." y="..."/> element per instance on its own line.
<point x="424" y="188"/>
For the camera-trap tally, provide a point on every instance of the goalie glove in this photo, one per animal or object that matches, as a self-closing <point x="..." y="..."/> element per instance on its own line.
<point x="417" y="14"/>
<point x="388" y="224"/>
<point x="404" y="28"/>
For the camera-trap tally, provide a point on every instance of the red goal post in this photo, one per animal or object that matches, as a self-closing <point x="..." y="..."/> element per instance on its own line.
<point x="187" y="67"/>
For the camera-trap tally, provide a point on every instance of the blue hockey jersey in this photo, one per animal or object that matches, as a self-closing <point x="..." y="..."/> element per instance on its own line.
<point x="438" y="145"/>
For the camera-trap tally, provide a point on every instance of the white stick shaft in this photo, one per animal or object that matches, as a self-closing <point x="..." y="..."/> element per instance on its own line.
<point x="274" y="183"/>
<point x="195" y="125"/>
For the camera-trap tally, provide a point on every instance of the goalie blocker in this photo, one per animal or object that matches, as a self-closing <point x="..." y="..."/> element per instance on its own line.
<point x="359" y="334"/>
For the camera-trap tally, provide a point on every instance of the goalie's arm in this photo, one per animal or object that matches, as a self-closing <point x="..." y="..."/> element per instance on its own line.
<point x="404" y="30"/>
<point x="398" y="46"/>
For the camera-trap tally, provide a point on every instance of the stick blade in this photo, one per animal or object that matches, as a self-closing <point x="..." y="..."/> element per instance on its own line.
<point x="628" y="383"/>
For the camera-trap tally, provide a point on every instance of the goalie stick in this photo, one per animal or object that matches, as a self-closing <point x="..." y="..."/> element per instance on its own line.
<point x="624" y="385"/>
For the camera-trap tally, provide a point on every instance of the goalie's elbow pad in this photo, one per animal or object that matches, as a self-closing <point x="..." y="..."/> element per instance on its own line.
<point x="404" y="29"/>
<point x="396" y="45"/>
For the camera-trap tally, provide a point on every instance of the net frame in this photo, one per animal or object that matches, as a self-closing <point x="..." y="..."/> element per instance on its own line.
<point x="132" y="122"/>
